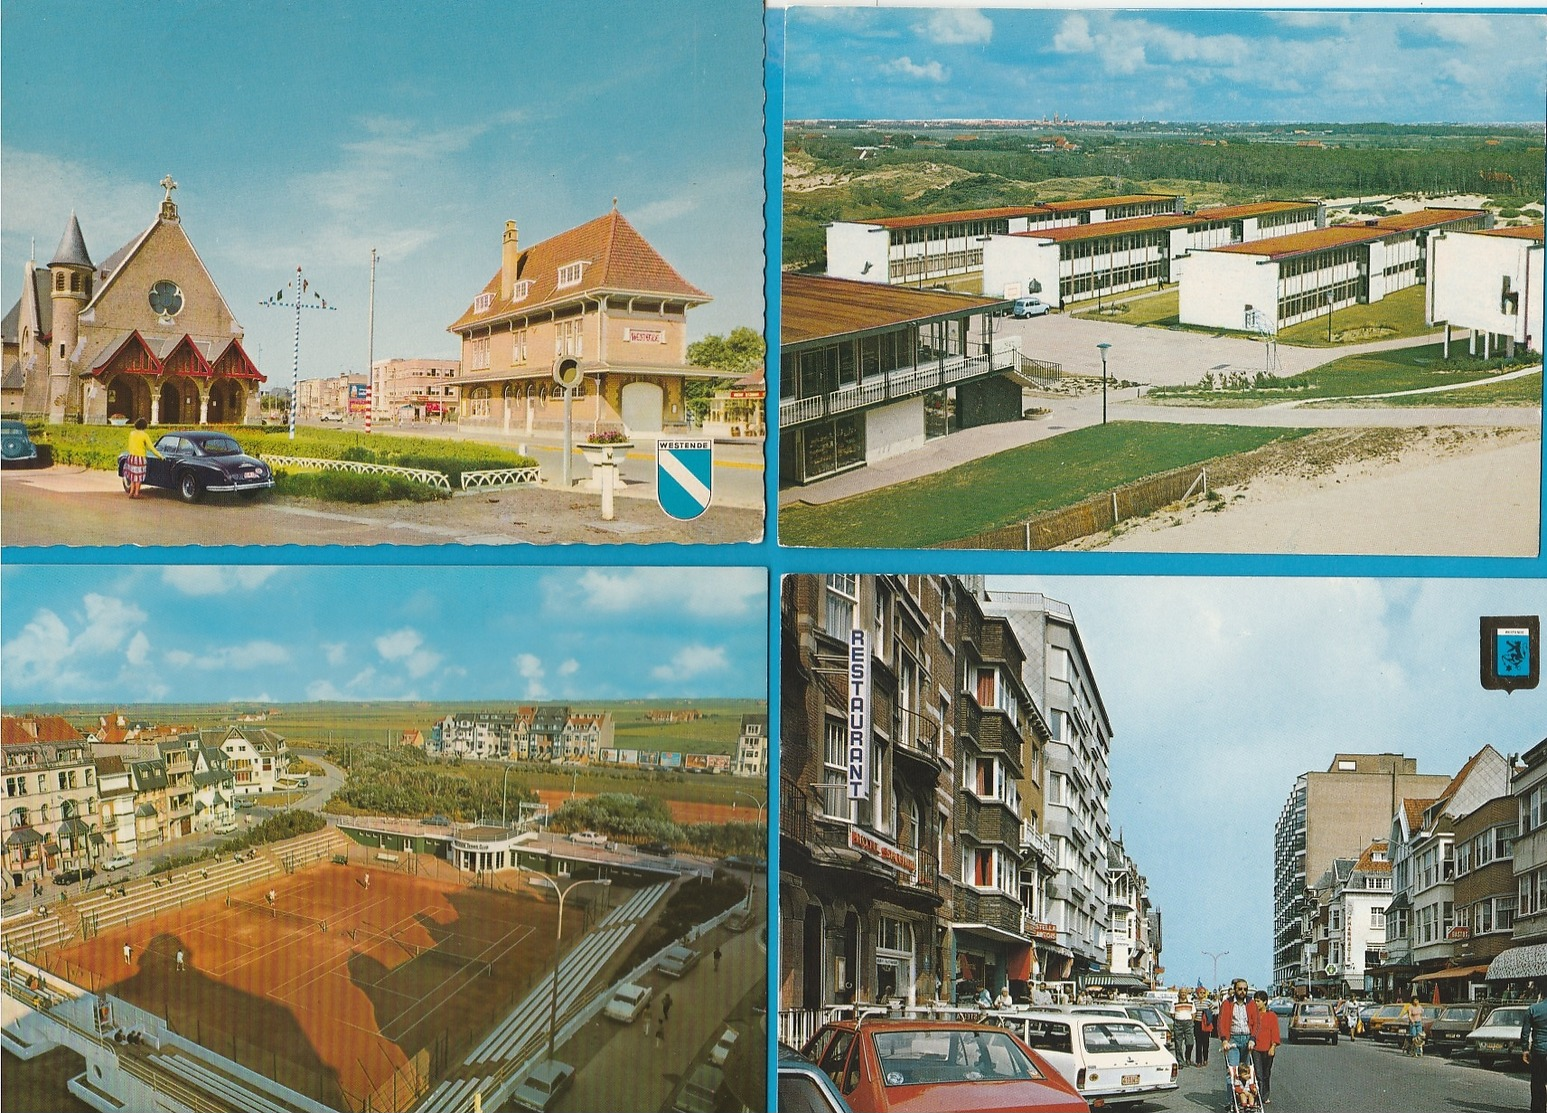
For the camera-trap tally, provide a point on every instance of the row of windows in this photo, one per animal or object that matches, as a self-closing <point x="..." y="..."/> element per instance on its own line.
<point x="1132" y="241"/>
<point x="1531" y="892"/>
<point x="1111" y="278"/>
<point x="918" y="266"/>
<point x="1320" y="260"/>
<point x="1494" y="844"/>
<point x="79" y="284"/>
<point x="69" y="809"/>
<point x="955" y="230"/>
<point x="1492" y="914"/>
<point x="1312" y="301"/>
<point x="67" y="779"/>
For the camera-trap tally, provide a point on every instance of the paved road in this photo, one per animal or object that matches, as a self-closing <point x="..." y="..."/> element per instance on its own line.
<point x="74" y="506"/>
<point x="1358" y="1076"/>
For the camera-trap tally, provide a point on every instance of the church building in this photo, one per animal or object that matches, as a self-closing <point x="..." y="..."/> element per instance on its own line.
<point x="143" y="334"/>
<point x="597" y="298"/>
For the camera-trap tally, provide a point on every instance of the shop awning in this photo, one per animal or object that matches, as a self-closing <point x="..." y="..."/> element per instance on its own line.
<point x="1453" y="972"/>
<point x="1520" y="962"/>
<point x="989" y="931"/>
<point x="1114" y="981"/>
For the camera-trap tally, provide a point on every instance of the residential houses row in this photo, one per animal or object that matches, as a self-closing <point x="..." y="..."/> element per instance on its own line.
<point x="1450" y="903"/>
<point x="944" y="796"/>
<point x="558" y="734"/>
<point x="73" y="799"/>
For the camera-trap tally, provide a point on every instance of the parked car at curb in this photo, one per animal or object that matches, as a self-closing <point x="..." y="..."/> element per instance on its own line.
<point x="677" y="961"/>
<point x="1282" y="1006"/>
<point x="194" y="463"/>
<point x="118" y="862"/>
<point x="1029" y="307"/>
<point x="1454" y="1024"/>
<point x="71" y="877"/>
<point x="542" y="1087"/>
<point x="627" y="1002"/>
<point x="804" y="1088"/>
<point x="16" y="447"/>
<point x="1387" y="1023"/>
<point x="1498" y="1039"/>
<point x="889" y="1064"/>
<point x="588" y="838"/>
<point x="721" y="1050"/>
<point x="1313" y="1020"/>
<point x="1110" y="1060"/>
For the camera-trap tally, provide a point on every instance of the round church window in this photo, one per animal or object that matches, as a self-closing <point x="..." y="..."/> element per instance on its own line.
<point x="166" y="299"/>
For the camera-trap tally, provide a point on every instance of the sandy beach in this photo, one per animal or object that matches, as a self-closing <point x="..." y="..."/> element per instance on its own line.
<point x="1447" y="493"/>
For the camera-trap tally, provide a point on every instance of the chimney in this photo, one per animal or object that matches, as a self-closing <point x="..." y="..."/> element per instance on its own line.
<point x="509" y="253"/>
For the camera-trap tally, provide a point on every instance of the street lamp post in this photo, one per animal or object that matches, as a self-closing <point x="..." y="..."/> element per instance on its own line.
<point x="1103" y="346"/>
<point x="558" y="935"/>
<point x="504" y="784"/>
<point x="751" y="873"/>
<point x="1216" y="956"/>
<point x="1328" y="297"/>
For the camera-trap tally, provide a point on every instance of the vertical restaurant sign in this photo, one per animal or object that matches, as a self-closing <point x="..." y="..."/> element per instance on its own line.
<point x="859" y="715"/>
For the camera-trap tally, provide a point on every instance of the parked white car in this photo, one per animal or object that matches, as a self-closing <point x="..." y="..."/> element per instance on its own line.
<point x="1498" y="1037"/>
<point x="628" y="1001"/>
<point x="677" y="961"/>
<point x="588" y="838"/>
<point x="118" y="862"/>
<point x="1106" y="1058"/>
<point x="722" y="1046"/>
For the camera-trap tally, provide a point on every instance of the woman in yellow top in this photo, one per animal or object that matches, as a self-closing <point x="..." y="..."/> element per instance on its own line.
<point x="134" y="466"/>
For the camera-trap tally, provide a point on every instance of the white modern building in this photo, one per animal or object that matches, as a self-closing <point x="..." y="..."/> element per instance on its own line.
<point x="1490" y="283"/>
<point x="1353" y="894"/>
<point x="1272" y="283"/>
<point x="930" y="248"/>
<point x="1073" y="262"/>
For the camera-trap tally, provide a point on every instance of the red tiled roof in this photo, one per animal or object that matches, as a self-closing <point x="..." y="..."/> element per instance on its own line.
<point x="1130" y="224"/>
<point x="1367" y="861"/>
<point x="1342" y="235"/>
<point x="814" y="306"/>
<point x="921" y="220"/>
<point x="1106" y="202"/>
<point x="1414" y="810"/>
<point x="617" y="258"/>
<point x="25" y="730"/>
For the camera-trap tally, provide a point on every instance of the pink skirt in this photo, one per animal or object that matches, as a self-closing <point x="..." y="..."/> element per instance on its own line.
<point x="134" y="469"/>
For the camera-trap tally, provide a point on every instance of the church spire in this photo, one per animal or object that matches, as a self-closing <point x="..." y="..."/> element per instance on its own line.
<point x="72" y="247"/>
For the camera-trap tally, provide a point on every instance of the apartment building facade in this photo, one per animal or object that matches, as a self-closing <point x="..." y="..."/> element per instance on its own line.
<point x="51" y="819"/>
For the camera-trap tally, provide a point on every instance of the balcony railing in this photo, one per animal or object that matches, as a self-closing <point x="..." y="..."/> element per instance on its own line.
<point x="903" y="382"/>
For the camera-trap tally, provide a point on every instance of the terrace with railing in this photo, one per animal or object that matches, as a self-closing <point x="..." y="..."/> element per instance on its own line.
<point x="920" y="377"/>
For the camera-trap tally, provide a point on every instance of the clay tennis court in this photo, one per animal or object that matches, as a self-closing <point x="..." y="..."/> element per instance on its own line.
<point x="405" y="977"/>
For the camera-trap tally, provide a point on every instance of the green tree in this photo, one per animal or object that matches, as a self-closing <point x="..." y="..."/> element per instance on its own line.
<point x="741" y="352"/>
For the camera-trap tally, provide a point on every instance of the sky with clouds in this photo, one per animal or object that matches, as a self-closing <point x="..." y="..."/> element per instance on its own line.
<point x="1222" y="691"/>
<point x="306" y="134"/>
<point x="1218" y="65"/>
<point x="204" y="634"/>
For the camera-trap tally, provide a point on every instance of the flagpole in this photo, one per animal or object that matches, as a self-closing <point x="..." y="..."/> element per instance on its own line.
<point x="370" y="348"/>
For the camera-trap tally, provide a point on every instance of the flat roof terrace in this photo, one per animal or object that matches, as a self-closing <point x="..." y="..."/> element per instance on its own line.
<point x="1345" y="235"/>
<point x="818" y="307"/>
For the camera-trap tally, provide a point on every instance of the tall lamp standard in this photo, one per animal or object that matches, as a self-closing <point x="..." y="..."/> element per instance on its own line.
<point x="1103" y="346"/>
<point x="504" y="784"/>
<point x="558" y="935"/>
<point x="1216" y="956"/>
<point x="761" y="804"/>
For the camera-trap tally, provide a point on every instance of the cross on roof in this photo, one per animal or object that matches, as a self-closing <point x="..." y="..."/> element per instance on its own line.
<point x="169" y="185"/>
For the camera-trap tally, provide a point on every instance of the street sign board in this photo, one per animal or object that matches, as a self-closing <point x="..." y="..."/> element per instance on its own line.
<point x="1509" y="651"/>
<point x="684" y="476"/>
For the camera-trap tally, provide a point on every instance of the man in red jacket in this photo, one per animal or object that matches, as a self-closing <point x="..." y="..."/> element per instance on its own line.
<point x="1266" y="1036"/>
<point x="1237" y="1020"/>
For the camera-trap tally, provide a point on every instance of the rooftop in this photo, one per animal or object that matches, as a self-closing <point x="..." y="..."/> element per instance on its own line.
<point x="817" y="306"/>
<point x="1163" y="221"/>
<point x="922" y="220"/>
<point x="1516" y="232"/>
<point x="1344" y="235"/>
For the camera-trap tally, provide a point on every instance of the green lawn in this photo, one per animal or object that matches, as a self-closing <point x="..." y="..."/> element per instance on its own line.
<point x="1160" y="310"/>
<point x="1370" y="373"/>
<point x="1524" y="391"/>
<point x="1394" y="317"/>
<point x="1010" y="486"/>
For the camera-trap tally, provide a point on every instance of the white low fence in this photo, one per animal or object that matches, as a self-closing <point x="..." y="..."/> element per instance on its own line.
<point x="491" y="478"/>
<point x="422" y="475"/>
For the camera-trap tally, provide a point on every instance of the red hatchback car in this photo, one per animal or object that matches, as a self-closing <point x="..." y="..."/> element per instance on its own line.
<point x="937" y="1066"/>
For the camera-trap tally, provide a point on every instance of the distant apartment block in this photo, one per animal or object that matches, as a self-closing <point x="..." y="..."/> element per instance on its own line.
<point x="405" y="390"/>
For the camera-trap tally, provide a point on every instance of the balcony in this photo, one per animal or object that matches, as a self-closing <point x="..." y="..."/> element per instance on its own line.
<point x="1034" y="842"/>
<point x="997" y="733"/>
<point x="904" y="382"/>
<point x="988" y="821"/>
<point x="918" y="744"/>
<point x="981" y="906"/>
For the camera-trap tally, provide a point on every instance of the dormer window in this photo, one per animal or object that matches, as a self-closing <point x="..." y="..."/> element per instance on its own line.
<point x="571" y="274"/>
<point x="521" y="289"/>
<point x="482" y="302"/>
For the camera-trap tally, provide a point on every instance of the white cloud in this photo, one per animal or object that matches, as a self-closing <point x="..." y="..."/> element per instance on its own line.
<point x="324" y="690"/>
<point x="249" y="655"/>
<point x="1074" y="36"/>
<point x="957" y="27"/>
<point x="207" y="579"/>
<point x="907" y="67"/>
<point x="718" y="593"/>
<point x="139" y="649"/>
<point x="691" y="661"/>
<point x="38" y="655"/>
<point x="569" y="668"/>
<point x="47" y="654"/>
<point x="400" y="644"/>
<point x="422" y="663"/>
<point x="528" y="666"/>
<point x="335" y="652"/>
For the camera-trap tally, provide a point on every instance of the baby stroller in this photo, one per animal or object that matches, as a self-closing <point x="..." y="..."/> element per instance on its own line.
<point x="1241" y="1079"/>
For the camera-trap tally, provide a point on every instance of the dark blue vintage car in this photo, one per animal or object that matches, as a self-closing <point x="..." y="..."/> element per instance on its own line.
<point x="16" y="445"/>
<point x="202" y="461"/>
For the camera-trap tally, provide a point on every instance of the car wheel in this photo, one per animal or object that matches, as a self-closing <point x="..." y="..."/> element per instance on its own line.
<point x="188" y="488"/>
<point x="1333" y="1041"/>
<point x="125" y="479"/>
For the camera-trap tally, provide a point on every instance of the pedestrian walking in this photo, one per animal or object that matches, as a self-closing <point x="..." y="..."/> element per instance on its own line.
<point x="1412" y="1012"/>
<point x="665" y="1008"/>
<point x="1533" y="1033"/>
<point x="1185" y="1029"/>
<point x="128" y="955"/>
<point x="180" y="967"/>
<point x="717" y="960"/>
<point x="1266" y="1036"/>
<point x="134" y="462"/>
<point x="660" y="1032"/>
<point x="1203" y="1016"/>
<point x="366" y="881"/>
<point x="37" y="887"/>
<point x="1237" y="1015"/>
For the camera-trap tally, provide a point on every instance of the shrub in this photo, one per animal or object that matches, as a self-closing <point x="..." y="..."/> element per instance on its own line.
<point x="355" y="487"/>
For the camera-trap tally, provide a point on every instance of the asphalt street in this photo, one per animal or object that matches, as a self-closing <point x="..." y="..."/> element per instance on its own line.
<point x="1361" y="1075"/>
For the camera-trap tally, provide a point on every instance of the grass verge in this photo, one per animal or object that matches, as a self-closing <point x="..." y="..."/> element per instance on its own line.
<point x="1013" y="485"/>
